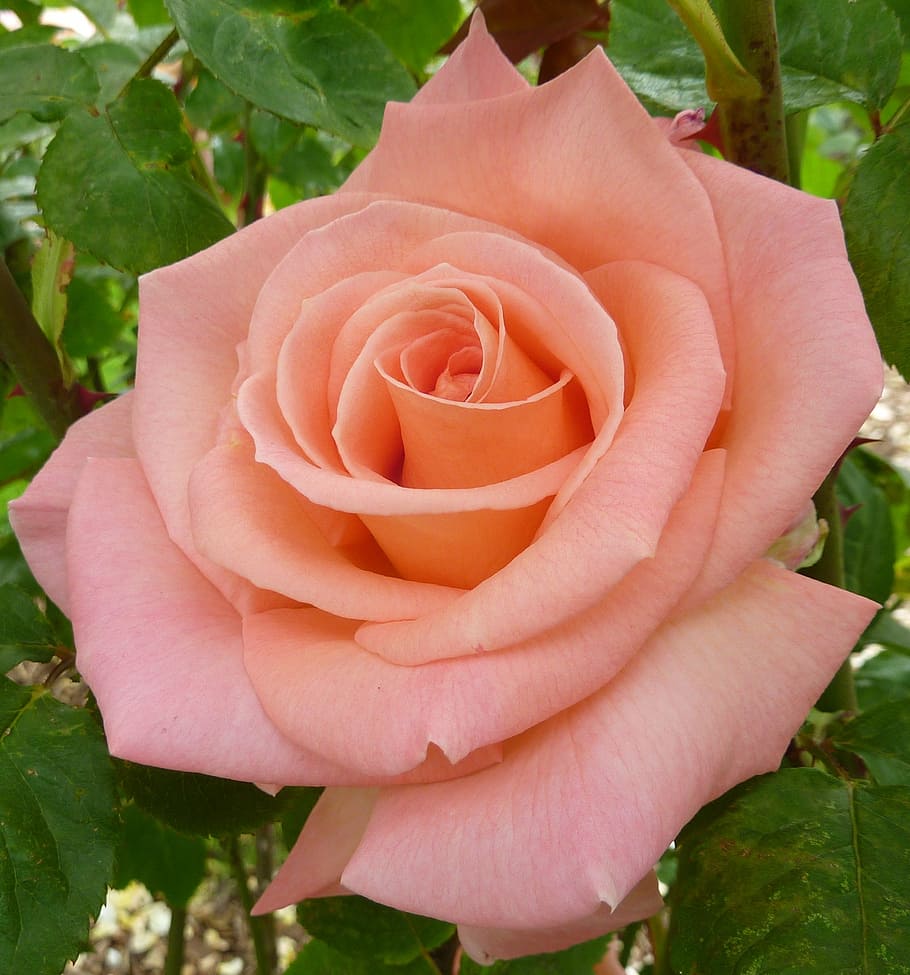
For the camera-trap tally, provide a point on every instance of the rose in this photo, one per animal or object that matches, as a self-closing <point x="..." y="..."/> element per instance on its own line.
<point x="451" y="492"/>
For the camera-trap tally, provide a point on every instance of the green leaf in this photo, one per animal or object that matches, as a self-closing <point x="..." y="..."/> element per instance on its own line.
<point x="312" y="161"/>
<point x="868" y="534"/>
<point x="881" y="738"/>
<point x="25" y="631"/>
<point x="147" y="13"/>
<point x="579" y="960"/>
<point x="45" y="81"/>
<point x="57" y="829"/>
<point x="369" y="931"/>
<point x="413" y="31"/>
<point x="299" y="803"/>
<point x="119" y="186"/>
<point x="114" y="64"/>
<point x="213" y="106"/>
<point x="27" y="34"/>
<point x="824" y="52"/>
<point x="902" y="9"/>
<point x="318" y="958"/>
<point x="877" y="228"/>
<point x="889" y="631"/>
<point x="198" y="804"/>
<point x="315" y="65"/>
<point x="884" y="678"/>
<point x="656" y="55"/>
<point x="170" y="864"/>
<point x="796" y="873"/>
<point x="92" y="325"/>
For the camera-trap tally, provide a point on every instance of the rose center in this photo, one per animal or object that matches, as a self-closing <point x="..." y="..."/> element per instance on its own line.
<point x="458" y="379"/>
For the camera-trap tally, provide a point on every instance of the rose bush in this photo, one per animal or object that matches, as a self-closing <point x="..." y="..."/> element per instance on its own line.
<point x="452" y="492"/>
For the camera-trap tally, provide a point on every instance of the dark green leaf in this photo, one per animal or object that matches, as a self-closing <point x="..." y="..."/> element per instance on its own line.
<point x="315" y="65"/>
<point x="884" y="678"/>
<point x="889" y="631"/>
<point x="45" y="81"/>
<point x="318" y="958"/>
<point x="114" y="65"/>
<point x="902" y="9"/>
<point x="147" y="13"/>
<point x="198" y="804"/>
<point x="170" y="864"/>
<point x="368" y="931"/>
<point x="119" y="185"/>
<point x="31" y="34"/>
<point x="25" y="631"/>
<point x="213" y="106"/>
<point x="868" y="534"/>
<point x="881" y="738"/>
<point x="656" y="55"/>
<point x="23" y="452"/>
<point x="877" y="227"/>
<point x="299" y="803"/>
<point x="57" y="829"/>
<point x="824" y="51"/>
<point x="796" y="873"/>
<point x="309" y="160"/>
<point x="92" y="325"/>
<point x="414" y="31"/>
<point x="579" y="960"/>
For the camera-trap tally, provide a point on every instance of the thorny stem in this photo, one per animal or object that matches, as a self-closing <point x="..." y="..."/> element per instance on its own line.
<point x="753" y="130"/>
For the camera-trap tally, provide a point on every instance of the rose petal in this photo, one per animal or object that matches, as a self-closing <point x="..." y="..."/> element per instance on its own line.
<point x="161" y="649"/>
<point x="589" y="175"/>
<point x="389" y="714"/>
<point x="710" y="700"/>
<point x="614" y="517"/>
<point x="39" y="516"/>
<point x="250" y="521"/>
<point x="799" y="398"/>
<point x="485" y="945"/>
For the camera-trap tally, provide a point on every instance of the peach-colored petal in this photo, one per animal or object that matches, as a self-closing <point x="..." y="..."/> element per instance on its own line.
<point x="808" y="369"/>
<point x="576" y="165"/>
<point x="39" y="516"/>
<point x="474" y="71"/>
<point x="187" y="356"/>
<point x="297" y="660"/>
<point x="485" y="945"/>
<point x="250" y="521"/>
<point x="710" y="700"/>
<point x="614" y="516"/>
<point x="328" y="839"/>
<point x="162" y="651"/>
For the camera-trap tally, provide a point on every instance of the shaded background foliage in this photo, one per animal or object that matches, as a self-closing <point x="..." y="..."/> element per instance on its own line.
<point x="171" y="123"/>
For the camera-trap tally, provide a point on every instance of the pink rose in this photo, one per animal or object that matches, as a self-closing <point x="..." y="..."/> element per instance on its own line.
<point x="451" y="492"/>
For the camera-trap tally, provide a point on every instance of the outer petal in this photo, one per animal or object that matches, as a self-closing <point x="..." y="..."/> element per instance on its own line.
<point x="39" y="516"/>
<point x="808" y="368"/>
<point x="388" y="715"/>
<point x="582" y="806"/>
<point x="486" y="944"/>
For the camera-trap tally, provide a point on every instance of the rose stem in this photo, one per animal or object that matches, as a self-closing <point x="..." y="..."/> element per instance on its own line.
<point x="28" y="352"/>
<point x="265" y="867"/>
<point x="753" y="130"/>
<point x="173" y="963"/>
<point x="254" y="176"/>
<point x="258" y="929"/>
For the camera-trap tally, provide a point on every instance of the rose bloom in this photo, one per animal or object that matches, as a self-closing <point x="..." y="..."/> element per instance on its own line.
<point x="452" y="491"/>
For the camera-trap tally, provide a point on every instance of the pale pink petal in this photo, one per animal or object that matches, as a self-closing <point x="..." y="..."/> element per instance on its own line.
<point x="583" y="806"/>
<point x="388" y="715"/>
<point x="485" y="945"/>
<point x="328" y="839"/>
<point x="250" y="521"/>
<point x="614" y="516"/>
<point x="576" y="165"/>
<point x="808" y="369"/>
<point x="39" y="516"/>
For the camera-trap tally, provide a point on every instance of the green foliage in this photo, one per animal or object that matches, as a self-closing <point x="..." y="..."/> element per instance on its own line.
<point x="198" y="804"/>
<point x="881" y="738"/>
<point x="26" y="633"/>
<point x="884" y="678"/>
<point x="875" y="224"/>
<point x="370" y="932"/>
<point x="119" y="184"/>
<point x="796" y="873"/>
<point x="318" y="958"/>
<point x="579" y="960"/>
<point x="170" y="864"/>
<point x="315" y="65"/>
<point x="57" y="829"/>
<point x="45" y="81"/>
<point x="413" y="32"/>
